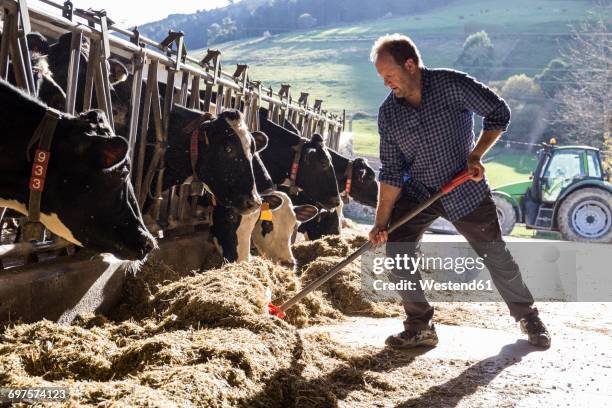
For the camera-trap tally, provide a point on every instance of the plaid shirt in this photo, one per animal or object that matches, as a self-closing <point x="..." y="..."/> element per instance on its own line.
<point x="422" y="148"/>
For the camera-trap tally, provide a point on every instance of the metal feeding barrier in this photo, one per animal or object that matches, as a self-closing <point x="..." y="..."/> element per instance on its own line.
<point x="196" y="83"/>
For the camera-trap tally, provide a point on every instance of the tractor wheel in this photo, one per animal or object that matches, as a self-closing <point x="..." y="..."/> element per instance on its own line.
<point x="505" y="214"/>
<point x="586" y="216"/>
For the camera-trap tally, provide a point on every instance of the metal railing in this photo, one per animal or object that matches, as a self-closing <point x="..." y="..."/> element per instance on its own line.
<point x="201" y="81"/>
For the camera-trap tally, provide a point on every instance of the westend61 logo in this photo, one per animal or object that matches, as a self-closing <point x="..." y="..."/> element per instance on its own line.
<point x="406" y="263"/>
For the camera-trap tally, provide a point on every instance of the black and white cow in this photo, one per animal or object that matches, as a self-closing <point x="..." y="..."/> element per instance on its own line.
<point x="59" y="64"/>
<point x="271" y="237"/>
<point x="315" y="177"/>
<point x="225" y="150"/>
<point x="355" y="178"/>
<point x="45" y="85"/>
<point x="362" y="186"/>
<point x="87" y="197"/>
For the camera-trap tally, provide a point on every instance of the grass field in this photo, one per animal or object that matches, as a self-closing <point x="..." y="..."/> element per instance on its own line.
<point x="332" y="63"/>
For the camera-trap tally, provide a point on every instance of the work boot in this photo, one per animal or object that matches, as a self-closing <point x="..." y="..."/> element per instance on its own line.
<point x="537" y="334"/>
<point x="425" y="337"/>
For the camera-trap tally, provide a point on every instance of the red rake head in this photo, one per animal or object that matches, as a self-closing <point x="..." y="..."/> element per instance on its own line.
<point x="276" y="311"/>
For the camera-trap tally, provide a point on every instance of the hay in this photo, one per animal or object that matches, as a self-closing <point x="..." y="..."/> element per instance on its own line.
<point x="202" y="340"/>
<point x="345" y="290"/>
<point x="330" y="245"/>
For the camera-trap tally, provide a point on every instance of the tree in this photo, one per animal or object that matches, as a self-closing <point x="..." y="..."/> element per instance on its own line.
<point x="552" y="78"/>
<point x="584" y="100"/>
<point x="306" y="21"/>
<point x="529" y="107"/>
<point x="478" y="56"/>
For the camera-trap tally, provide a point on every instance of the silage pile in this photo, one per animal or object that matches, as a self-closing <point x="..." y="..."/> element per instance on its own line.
<point x="345" y="290"/>
<point x="200" y="339"/>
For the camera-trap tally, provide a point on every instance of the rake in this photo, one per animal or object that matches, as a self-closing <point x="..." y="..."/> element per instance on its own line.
<point x="279" y="311"/>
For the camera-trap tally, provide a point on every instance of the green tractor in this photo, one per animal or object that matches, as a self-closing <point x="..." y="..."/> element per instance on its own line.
<point x="568" y="192"/>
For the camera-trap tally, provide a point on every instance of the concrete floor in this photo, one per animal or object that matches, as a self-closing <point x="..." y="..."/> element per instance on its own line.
<point x="575" y="371"/>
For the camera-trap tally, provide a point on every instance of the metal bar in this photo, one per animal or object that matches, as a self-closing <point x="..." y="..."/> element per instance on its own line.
<point x="207" y="96"/>
<point x="184" y="88"/>
<point x="73" y="71"/>
<point x="168" y="98"/>
<point x="43" y="20"/>
<point x="219" y="99"/>
<point x="22" y="249"/>
<point x="4" y="46"/>
<point x="194" y="100"/>
<point x="23" y="18"/>
<point x="172" y="212"/>
<point x="183" y="204"/>
<point x="94" y="52"/>
<point x="99" y="86"/>
<point x="163" y="216"/>
<point x="138" y="64"/>
<point x="141" y="189"/>
<point x="227" y="98"/>
<point x="103" y="82"/>
<point x="16" y="54"/>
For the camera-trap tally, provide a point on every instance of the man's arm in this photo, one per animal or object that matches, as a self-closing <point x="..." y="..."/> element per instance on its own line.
<point x="481" y="100"/>
<point x="391" y="179"/>
<point x="387" y="197"/>
<point x="486" y="140"/>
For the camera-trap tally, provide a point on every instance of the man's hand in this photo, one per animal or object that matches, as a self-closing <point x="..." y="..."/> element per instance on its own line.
<point x="378" y="234"/>
<point x="475" y="167"/>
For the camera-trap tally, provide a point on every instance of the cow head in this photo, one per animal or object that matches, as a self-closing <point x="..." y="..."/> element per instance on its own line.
<point x="225" y="154"/>
<point x="275" y="243"/>
<point x="364" y="187"/>
<point x="90" y="191"/>
<point x="326" y="222"/>
<point x="46" y="88"/>
<point x="316" y="176"/>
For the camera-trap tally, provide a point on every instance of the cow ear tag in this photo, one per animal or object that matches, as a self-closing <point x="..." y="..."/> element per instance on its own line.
<point x="265" y="213"/>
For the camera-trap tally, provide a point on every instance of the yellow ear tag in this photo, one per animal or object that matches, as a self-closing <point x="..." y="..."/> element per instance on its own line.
<point x="265" y="214"/>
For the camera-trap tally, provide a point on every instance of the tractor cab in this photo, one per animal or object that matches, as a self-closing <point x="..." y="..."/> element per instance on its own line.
<point x="567" y="192"/>
<point x="560" y="167"/>
<point x="563" y="173"/>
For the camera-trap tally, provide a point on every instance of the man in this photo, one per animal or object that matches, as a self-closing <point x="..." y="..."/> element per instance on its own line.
<point x="426" y="137"/>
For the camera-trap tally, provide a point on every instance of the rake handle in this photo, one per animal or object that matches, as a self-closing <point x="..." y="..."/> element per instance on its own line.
<point x="455" y="182"/>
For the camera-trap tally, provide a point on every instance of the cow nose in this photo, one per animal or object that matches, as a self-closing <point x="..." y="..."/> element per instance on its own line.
<point x="252" y="203"/>
<point x="149" y="245"/>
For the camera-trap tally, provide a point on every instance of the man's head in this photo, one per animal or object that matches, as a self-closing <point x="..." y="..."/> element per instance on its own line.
<point x="398" y="62"/>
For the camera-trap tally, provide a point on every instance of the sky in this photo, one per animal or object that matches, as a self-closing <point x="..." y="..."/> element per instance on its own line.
<point x="136" y="12"/>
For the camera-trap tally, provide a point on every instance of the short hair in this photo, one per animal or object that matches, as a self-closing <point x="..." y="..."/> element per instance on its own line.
<point x="399" y="46"/>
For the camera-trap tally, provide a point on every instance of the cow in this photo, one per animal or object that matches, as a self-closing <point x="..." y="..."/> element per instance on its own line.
<point x="87" y="197"/>
<point x="225" y="150"/>
<point x="327" y="222"/>
<point x="313" y="176"/>
<point x="45" y="86"/>
<point x="362" y="186"/>
<point x="269" y="230"/>
<point x="59" y="64"/>
<point x="224" y="158"/>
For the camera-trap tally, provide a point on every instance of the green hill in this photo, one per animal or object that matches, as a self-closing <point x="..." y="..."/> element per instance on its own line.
<point x="333" y="63"/>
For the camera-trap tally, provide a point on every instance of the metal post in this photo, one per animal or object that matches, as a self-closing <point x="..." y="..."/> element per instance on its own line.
<point x="194" y="100"/>
<point x="184" y="88"/>
<point x="73" y="70"/>
<point x="4" y="46"/>
<point x="208" y="96"/>
<point x="94" y="52"/>
<point x="138" y="62"/>
<point x="23" y="18"/>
